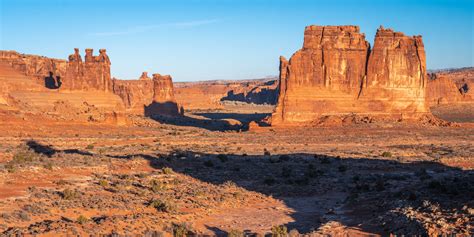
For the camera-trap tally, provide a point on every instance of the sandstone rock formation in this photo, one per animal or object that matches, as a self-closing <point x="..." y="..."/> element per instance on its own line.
<point x="214" y="94"/>
<point x="463" y="79"/>
<point x="164" y="102"/>
<point x="336" y="73"/>
<point x="72" y="90"/>
<point x="144" y="76"/>
<point x="442" y="90"/>
<point x="93" y="74"/>
<point x="135" y="94"/>
<point x="34" y="66"/>
<point x="396" y="76"/>
<point x="149" y="97"/>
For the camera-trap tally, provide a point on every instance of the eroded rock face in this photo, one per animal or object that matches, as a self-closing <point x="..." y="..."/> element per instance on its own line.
<point x="93" y="74"/>
<point x="441" y="90"/>
<point x="336" y="73"/>
<point x="74" y="74"/>
<point x="396" y="76"/>
<point x="135" y="94"/>
<point x="149" y="97"/>
<point x="38" y="68"/>
<point x="164" y="102"/>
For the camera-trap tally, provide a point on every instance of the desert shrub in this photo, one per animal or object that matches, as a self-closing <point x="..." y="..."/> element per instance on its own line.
<point x="181" y="229"/>
<point x="103" y="183"/>
<point x="235" y="233"/>
<point x="157" y="186"/>
<point x="222" y="157"/>
<point x="23" y="156"/>
<point x="69" y="194"/>
<point x="82" y="220"/>
<point x="90" y="147"/>
<point x="167" y="170"/>
<point x="10" y="167"/>
<point x="48" y="166"/>
<point x="163" y="206"/>
<point x="208" y="163"/>
<point x="279" y="231"/>
<point x="386" y="154"/>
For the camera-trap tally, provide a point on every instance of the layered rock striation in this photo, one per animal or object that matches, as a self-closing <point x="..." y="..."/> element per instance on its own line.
<point x="336" y="73"/>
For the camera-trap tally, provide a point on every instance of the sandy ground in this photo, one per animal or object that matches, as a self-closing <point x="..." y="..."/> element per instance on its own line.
<point x="196" y="175"/>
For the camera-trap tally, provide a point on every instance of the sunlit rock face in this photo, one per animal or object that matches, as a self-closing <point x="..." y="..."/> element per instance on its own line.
<point x="336" y="73"/>
<point x="396" y="76"/>
<point x="148" y="96"/>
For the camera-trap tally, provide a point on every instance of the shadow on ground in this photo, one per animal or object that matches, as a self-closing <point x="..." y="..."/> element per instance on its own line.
<point x="376" y="195"/>
<point x="213" y="121"/>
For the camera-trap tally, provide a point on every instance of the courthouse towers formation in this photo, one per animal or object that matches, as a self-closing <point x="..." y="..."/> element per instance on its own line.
<point x="337" y="73"/>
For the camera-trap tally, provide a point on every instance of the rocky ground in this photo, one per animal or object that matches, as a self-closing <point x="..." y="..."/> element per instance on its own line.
<point x="199" y="176"/>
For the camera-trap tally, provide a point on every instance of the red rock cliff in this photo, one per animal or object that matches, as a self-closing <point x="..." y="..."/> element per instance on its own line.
<point x="323" y="77"/>
<point x="396" y="76"/>
<point x="334" y="74"/>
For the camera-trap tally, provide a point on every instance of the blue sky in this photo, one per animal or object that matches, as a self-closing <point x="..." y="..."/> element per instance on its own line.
<point x="222" y="39"/>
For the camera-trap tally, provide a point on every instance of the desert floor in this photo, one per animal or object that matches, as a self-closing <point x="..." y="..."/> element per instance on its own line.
<point x="59" y="178"/>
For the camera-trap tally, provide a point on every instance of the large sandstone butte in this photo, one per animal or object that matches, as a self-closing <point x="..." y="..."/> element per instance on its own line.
<point x="148" y="96"/>
<point x="336" y="73"/>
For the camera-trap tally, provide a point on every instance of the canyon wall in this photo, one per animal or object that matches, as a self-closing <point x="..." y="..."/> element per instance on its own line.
<point x="336" y="73"/>
<point x="73" y="74"/>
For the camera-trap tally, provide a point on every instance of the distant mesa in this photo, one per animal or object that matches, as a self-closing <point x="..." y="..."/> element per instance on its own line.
<point x="337" y="73"/>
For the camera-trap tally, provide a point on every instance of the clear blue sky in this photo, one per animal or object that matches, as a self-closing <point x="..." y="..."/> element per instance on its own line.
<point x="222" y="39"/>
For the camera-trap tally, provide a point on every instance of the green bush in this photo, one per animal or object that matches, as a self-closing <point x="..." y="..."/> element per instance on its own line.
<point x="235" y="233"/>
<point x="103" y="183"/>
<point x="279" y="231"/>
<point x="163" y="206"/>
<point x="387" y="154"/>
<point x="90" y="147"/>
<point x="69" y="194"/>
<point x="157" y="186"/>
<point x="82" y="220"/>
<point x="180" y="229"/>
<point x="167" y="170"/>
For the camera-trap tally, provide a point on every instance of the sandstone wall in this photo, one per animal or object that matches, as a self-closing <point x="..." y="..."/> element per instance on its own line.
<point x="336" y="73"/>
<point x="92" y="74"/>
<point x="164" y="102"/>
<point x="74" y="74"/>
<point x="34" y="66"/>
<point x="396" y="76"/>
<point x="442" y="90"/>
<point x="324" y="77"/>
<point x="148" y="96"/>
<point x="135" y="94"/>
